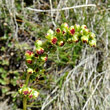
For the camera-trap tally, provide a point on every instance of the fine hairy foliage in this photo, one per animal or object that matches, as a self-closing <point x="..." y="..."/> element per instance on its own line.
<point x="74" y="77"/>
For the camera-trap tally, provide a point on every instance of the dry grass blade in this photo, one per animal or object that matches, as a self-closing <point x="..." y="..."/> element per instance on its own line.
<point x="66" y="8"/>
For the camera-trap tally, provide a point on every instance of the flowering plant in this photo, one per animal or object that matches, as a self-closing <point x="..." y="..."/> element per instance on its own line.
<point x="36" y="59"/>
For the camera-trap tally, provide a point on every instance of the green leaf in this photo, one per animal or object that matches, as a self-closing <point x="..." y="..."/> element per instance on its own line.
<point x="3" y="82"/>
<point x="4" y="90"/>
<point x="5" y="62"/>
<point x="4" y="76"/>
<point x="3" y="48"/>
<point x="2" y="70"/>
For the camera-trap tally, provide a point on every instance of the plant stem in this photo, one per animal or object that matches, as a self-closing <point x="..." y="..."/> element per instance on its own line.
<point x="27" y="79"/>
<point x="24" y="103"/>
<point x="25" y="98"/>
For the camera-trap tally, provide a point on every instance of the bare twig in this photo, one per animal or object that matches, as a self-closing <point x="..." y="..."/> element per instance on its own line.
<point x="66" y="8"/>
<point x="52" y="13"/>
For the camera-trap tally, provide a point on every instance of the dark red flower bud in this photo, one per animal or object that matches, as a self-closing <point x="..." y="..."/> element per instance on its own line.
<point x="69" y="40"/>
<point x="58" y="30"/>
<point x="83" y="27"/>
<point x="39" y="50"/>
<point x="84" y="39"/>
<point x="44" y="58"/>
<point x="29" y="61"/>
<point x="36" y="70"/>
<point x="86" y="31"/>
<point x="36" y="56"/>
<point x="61" y="43"/>
<point x="64" y="32"/>
<point x="54" y="40"/>
<point x="72" y="30"/>
<point x="30" y="71"/>
<point x="21" y="85"/>
<point x="26" y="92"/>
<point x="29" y="54"/>
<point x="30" y="96"/>
<point x="92" y="42"/>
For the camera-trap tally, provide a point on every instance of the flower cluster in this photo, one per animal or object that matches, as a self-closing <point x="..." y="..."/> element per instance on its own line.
<point x="40" y="51"/>
<point x="71" y="34"/>
<point x="35" y="59"/>
<point x="29" y="55"/>
<point x="38" y="54"/>
<point x="64" y="34"/>
<point x="28" y="92"/>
